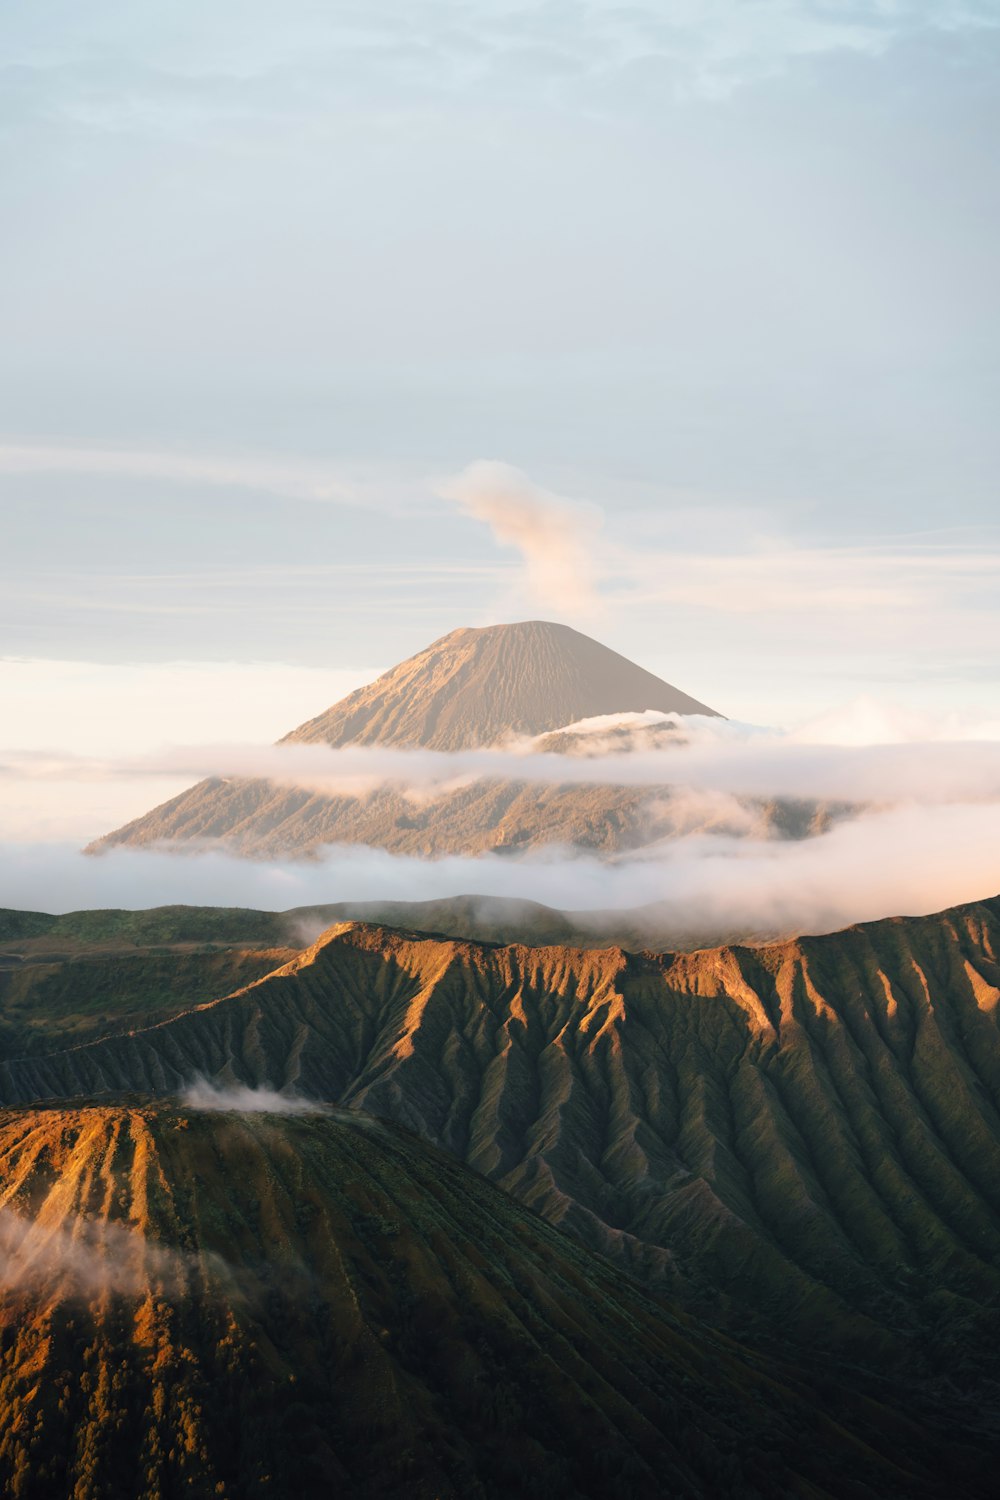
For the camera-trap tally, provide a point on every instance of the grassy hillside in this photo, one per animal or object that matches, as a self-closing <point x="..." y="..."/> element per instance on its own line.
<point x="70" y="1000"/>
<point x="143" y="929"/>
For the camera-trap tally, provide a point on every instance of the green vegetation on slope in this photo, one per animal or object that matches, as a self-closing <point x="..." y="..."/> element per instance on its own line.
<point x="65" y="1003"/>
<point x="144" y="929"/>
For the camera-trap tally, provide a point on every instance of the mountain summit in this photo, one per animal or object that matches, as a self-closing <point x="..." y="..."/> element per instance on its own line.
<point x="479" y="687"/>
<point x="469" y="689"/>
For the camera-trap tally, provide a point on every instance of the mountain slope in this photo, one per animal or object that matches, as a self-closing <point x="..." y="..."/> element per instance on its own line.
<point x="478" y="687"/>
<point x="803" y="1140"/>
<point x="304" y="1306"/>
<point x="471" y="688"/>
<point x="260" y="819"/>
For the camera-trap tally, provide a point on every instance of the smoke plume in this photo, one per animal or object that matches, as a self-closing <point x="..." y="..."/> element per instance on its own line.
<point x="557" y="538"/>
<point x="203" y="1094"/>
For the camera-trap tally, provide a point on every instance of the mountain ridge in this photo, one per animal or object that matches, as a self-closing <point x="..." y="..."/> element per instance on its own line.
<point x="246" y="1304"/>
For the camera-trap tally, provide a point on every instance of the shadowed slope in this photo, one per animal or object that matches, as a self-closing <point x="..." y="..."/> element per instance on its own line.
<point x="61" y="1001"/>
<point x="250" y="1305"/>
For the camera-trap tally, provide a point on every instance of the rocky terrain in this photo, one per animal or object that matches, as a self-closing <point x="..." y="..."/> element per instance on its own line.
<point x="75" y="977"/>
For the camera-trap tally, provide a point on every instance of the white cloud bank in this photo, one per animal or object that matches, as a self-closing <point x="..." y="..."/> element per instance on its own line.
<point x="825" y="760"/>
<point x="899" y="861"/>
<point x="925" y="835"/>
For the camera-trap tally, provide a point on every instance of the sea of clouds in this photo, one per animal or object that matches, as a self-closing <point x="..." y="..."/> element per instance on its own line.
<point x="924" y="832"/>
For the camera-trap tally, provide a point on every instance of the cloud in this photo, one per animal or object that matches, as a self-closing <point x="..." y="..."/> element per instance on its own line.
<point x="203" y="1094"/>
<point x="909" y="859"/>
<point x="87" y="1258"/>
<point x="556" y="537"/>
<point x="899" y="580"/>
<point x="280" y="476"/>
<point x="710" y="755"/>
<point x="233" y="62"/>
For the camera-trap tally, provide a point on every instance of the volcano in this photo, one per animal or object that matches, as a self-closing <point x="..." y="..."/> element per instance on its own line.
<point x="475" y="688"/>
<point x="470" y="689"/>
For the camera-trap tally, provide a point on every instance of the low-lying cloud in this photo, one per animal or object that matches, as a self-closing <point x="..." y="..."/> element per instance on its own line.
<point x="918" y="826"/>
<point x="204" y="1094"/>
<point x="903" y="860"/>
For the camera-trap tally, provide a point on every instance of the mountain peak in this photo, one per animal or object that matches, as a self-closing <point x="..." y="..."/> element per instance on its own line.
<point x="477" y="687"/>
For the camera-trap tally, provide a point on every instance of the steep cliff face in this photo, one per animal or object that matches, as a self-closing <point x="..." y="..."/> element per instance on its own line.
<point x="250" y="1305"/>
<point x="804" y="1135"/>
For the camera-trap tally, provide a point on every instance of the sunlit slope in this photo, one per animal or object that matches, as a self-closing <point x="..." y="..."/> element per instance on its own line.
<point x="259" y="1306"/>
<point x="477" y="687"/>
<point x="808" y="1129"/>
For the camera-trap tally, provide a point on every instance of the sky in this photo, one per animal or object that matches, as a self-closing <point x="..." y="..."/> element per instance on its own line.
<point x="329" y="329"/>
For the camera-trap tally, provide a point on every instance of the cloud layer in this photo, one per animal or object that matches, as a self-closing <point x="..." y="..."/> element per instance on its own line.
<point x="827" y="759"/>
<point x="913" y="859"/>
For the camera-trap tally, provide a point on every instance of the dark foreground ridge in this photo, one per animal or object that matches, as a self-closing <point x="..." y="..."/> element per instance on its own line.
<point x="252" y="1305"/>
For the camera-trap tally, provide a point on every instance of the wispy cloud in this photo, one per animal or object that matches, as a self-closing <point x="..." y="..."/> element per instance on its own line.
<point x="899" y="577"/>
<point x="281" y="476"/>
<point x="86" y="1258"/>
<point x="233" y="64"/>
<point x="558" y="539"/>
